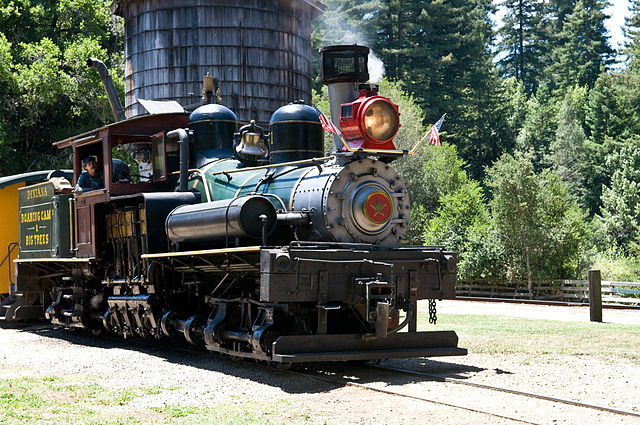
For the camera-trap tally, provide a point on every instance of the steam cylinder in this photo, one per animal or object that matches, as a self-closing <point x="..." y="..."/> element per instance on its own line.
<point x="258" y="51"/>
<point x="221" y="221"/>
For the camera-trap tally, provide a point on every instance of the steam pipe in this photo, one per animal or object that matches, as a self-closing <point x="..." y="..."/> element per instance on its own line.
<point x="107" y="82"/>
<point x="183" y="138"/>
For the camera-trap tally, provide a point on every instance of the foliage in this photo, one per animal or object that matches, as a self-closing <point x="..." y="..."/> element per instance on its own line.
<point x="540" y="227"/>
<point x="620" y="213"/>
<point x="524" y="41"/>
<point x="538" y="129"/>
<point x="632" y="32"/>
<point x="567" y="149"/>
<point x="583" y="49"/>
<point x="50" y="92"/>
<point x="462" y="223"/>
<point x="614" y="264"/>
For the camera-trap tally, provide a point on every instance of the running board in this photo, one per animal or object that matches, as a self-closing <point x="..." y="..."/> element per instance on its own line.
<point x="328" y="348"/>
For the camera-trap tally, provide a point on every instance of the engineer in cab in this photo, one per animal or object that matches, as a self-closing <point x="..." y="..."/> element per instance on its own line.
<point x="92" y="177"/>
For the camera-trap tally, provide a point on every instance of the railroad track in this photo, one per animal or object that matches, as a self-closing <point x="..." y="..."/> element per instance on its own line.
<point x="329" y="377"/>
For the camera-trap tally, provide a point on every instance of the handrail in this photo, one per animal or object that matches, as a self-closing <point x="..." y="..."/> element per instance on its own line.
<point x="10" y="248"/>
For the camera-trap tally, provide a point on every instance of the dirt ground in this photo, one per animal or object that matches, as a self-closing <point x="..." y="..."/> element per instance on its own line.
<point x="205" y="379"/>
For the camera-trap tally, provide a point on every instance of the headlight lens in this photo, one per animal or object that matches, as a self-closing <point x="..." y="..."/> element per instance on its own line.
<point x="381" y="121"/>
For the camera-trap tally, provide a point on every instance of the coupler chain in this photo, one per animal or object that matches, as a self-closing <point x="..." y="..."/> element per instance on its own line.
<point x="433" y="318"/>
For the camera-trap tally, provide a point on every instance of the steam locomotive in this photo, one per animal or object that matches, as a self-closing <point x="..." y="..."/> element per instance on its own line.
<point x="242" y="239"/>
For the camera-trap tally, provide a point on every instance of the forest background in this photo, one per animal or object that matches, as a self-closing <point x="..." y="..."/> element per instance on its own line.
<point x="538" y="176"/>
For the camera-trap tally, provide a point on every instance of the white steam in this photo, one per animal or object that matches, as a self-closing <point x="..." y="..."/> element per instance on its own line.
<point x="376" y="68"/>
<point x="341" y="32"/>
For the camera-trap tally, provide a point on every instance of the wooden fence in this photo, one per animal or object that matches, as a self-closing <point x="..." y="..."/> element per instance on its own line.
<point x="613" y="293"/>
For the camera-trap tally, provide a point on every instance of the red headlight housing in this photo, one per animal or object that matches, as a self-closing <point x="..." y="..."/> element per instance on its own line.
<point x="370" y="122"/>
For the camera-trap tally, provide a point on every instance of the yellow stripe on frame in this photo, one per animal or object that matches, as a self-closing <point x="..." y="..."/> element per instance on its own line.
<point x="246" y="249"/>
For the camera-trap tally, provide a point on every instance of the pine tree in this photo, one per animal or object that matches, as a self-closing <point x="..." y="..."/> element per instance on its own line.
<point x="524" y="40"/>
<point x="583" y="52"/>
<point x="450" y="69"/>
<point x="632" y="32"/>
<point x="567" y="149"/>
<point x="538" y="128"/>
<point x="560" y="11"/>
<point x="621" y="198"/>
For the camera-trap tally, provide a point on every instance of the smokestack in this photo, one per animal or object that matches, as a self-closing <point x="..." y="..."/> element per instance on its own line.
<point x="107" y="83"/>
<point x="344" y="68"/>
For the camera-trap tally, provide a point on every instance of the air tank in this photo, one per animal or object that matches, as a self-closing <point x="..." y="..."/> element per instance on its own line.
<point x="258" y="51"/>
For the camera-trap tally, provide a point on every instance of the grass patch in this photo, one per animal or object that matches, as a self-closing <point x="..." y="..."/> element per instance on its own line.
<point x="53" y="400"/>
<point x="235" y="413"/>
<point x="58" y="401"/>
<point x="511" y="335"/>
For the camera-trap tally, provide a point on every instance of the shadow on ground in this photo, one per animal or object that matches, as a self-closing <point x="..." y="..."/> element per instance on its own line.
<point x="179" y="352"/>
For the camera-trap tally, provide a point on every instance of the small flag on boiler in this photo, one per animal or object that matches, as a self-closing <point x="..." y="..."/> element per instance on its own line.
<point x="434" y="135"/>
<point x="327" y="125"/>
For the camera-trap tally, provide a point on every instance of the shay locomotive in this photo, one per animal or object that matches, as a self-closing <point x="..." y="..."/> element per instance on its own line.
<point x="241" y="239"/>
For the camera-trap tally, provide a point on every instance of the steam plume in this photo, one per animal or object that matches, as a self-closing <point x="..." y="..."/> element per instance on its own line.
<point x="344" y="33"/>
<point x="376" y="68"/>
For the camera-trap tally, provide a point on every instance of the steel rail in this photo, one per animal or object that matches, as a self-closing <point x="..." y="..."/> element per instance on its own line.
<point x="399" y="394"/>
<point x="508" y="390"/>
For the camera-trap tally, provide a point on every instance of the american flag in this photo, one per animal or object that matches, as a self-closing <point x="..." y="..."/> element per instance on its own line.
<point x="434" y="136"/>
<point x="327" y="125"/>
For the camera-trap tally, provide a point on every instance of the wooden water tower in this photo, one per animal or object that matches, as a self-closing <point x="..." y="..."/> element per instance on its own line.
<point x="258" y="52"/>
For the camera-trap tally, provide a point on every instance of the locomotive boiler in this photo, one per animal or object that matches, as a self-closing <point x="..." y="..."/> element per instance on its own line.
<point x="240" y="236"/>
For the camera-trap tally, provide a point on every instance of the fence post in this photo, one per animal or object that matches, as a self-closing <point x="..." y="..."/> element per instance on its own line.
<point x="595" y="296"/>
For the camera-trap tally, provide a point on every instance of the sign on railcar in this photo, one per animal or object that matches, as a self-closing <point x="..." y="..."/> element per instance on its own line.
<point x="45" y="222"/>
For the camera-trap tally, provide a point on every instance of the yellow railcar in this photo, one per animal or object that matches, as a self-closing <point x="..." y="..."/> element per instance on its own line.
<point x="9" y="186"/>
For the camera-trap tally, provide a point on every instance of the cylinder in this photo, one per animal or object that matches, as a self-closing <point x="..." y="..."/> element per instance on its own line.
<point x="295" y="134"/>
<point x="221" y="221"/>
<point x="258" y="51"/>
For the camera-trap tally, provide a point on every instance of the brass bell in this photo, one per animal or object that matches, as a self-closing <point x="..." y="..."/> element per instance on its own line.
<point x="253" y="144"/>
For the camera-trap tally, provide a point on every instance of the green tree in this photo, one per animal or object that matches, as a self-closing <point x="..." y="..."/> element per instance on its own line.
<point x="567" y="149"/>
<point x="50" y="92"/>
<point x="620" y="213"/>
<point x="540" y="228"/>
<point x="462" y="214"/>
<point x="610" y="116"/>
<point x="560" y="11"/>
<point x="632" y="32"/>
<point x="524" y="41"/>
<point x="538" y="128"/>
<point x="583" y="49"/>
